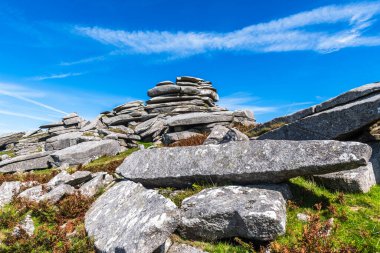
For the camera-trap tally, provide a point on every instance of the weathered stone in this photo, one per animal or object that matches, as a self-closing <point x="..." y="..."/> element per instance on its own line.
<point x="79" y="177"/>
<point x="221" y="134"/>
<point x="128" y="105"/>
<point x="199" y="118"/>
<point x="173" y="137"/>
<point x="117" y="120"/>
<point x="33" y="194"/>
<point x="349" y="96"/>
<point x="375" y="160"/>
<point x="27" y="225"/>
<point x="165" y="83"/>
<point x="163" y="90"/>
<point x="233" y="211"/>
<point x="342" y="122"/>
<point x="70" y="115"/>
<point x="85" y="152"/>
<point x="94" y="124"/>
<point x="6" y="139"/>
<point x="63" y="141"/>
<point x="93" y="186"/>
<point x="168" y="99"/>
<point x="72" y="121"/>
<point x="246" y="162"/>
<point x="189" y="79"/>
<point x="183" y="248"/>
<point x="57" y="193"/>
<point x="130" y="218"/>
<point x="61" y="178"/>
<point x="303" y="217"/>
<point x="7" y="191"/>
<point x="26" y="162"/>
<point x="356" y="180"/>
<point x="122" y="129"/>
<point x="51" y="125"/>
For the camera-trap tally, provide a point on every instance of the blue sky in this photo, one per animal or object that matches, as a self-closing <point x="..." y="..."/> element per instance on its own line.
<point x="273" y="57"/>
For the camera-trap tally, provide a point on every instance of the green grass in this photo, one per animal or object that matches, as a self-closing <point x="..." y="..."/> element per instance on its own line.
<point x="356" y="217"/>
<point x="356" y="221"/>
<point x="9" y="153"/>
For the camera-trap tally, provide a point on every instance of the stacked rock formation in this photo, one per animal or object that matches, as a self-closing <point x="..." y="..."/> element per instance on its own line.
<point x="175" y="111"/>
<point x="188" y="94"/>
<point x="68" y="124"/>
<point x="351" y="116"/>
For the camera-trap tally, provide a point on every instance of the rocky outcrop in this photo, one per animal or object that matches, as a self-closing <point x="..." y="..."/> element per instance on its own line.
<point x="11" y="138"/>
<point x="233" y="211"/>
<point x="221" y="134"/>
<point x="7" y="191"/>
<point x="130" y="218"/>
<point x="67" y="140"/>
<point x="85" y="152"/>
<point x="342" y="118"/>
<point x="70" y="123"/>
<point x="35" y="161"/>
<point x="356" y="180"/>
<point x="243" y="162"/>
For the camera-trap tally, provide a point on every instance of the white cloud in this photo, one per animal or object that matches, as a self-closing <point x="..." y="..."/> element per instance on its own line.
<point x="303" y="31"/>
<point x="85" y="60"/>
<point x="23" y="115"/>
<point x="56" y="76"/>
<point x="21" y="93"/>
<point x="244" y="101"/>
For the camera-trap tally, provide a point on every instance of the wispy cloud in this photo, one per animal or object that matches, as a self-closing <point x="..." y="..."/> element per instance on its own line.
<point x="85" y="60"/>
<point x="245" y="101"/>
<point x="20" y="93"/>
<point x="56" y="76"/>
<point x="310" y="30"/>
<point x="23" y="115"/>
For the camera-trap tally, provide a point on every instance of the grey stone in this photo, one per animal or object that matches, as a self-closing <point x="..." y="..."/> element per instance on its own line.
<point x="63" y="141"/>
<point x="183" y="248"/>
<point x="303" y="217"/>
<point x="375" y="160"/>
<point x="130" y="218"/>
<point x="246" y="162"/>
<point x="35" y="161"/>
<point x="233" y="211"/>
<point x="51" y="125"/>
<point x="123" y="129"/>
<point x="7" y="139"/>
<point x="72" y="121"/>
<point x="117" y="120"/>
<point x="349" y="96"/>
<point x="4" y="157"/>
<point x="94" y="124"/>
<point x="93" y="186"/>
<point x="26" y="224"/>
<point x="57" y="193"/>
<point x="173" y="137"/>
<point x="341" y="122"/>
<point x="189" y="79"/>
<point x="85" y="152"/>
<point x="167" y="99"/>
<point x="356" y="180"/>
<point x="33" y="194"/>
<point x="7" y="191"/>
<point x="152" y="127"/>
<point x="128" y="105"/>
<point x="164" y="90"/>
<point x="199" y="118"/>
<point x="70" y="115"/>
<point x="79" y="177"/>
<point x="221" y="134"/>
<point x="165" y="83"/>
<point x="61" y="178"/>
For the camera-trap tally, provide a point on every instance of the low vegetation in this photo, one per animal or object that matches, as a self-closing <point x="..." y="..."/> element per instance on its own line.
<point x="355" y="226"/>
<point x="8" y="153"/>
<point x="192" y="141"/>
<point x="58" y="228"/>
<point x="255" y="132"/>
<point x="41" y="176"/>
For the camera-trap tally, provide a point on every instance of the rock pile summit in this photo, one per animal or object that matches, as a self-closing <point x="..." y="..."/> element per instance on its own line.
<point x="245" y="179"/>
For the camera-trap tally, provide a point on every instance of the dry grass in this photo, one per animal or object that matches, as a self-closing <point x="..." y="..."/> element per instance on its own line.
<point x="192" y="141"/>
<point x="40" y="176"/>
<point x="260" y="130"/>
